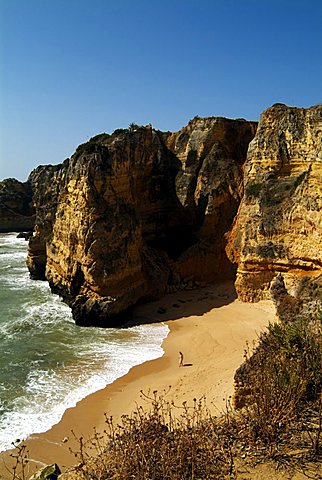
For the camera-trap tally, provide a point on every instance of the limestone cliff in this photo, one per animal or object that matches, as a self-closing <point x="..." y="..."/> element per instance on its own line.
<point x="209" y="186"/>
<point x="138" y="213"/>
<point x="46" y="181"/>
<point x="16" y="211"/>
<point x="279" y="224"/>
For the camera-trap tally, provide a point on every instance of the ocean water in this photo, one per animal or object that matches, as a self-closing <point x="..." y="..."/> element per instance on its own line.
<point x="47" y="363"/>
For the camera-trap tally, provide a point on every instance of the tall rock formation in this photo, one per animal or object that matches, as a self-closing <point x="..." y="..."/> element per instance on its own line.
<point x="141" y="212"/>
<point x="135" y="214"/>
<point x="16" y="211"/>
<point x="279" y="223"/>
<point x="47" y="182"/>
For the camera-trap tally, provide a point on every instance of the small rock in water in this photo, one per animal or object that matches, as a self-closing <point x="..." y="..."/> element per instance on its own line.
<point x="25" y="235"/>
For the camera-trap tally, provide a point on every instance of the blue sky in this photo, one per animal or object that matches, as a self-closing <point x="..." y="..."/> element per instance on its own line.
<point x="70" y="69"/>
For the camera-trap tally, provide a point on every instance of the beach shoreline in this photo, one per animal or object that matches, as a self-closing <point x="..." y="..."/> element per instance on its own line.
<point x="209" y="325"/>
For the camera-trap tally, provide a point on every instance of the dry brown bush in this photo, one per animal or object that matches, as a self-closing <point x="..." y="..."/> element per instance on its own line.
<point x="158" y="443"/>
<point x="279" y="400"/>
<point x="281" y="379"/>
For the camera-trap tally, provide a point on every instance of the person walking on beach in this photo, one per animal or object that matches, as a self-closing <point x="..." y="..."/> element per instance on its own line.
<point x="180" y="359"/>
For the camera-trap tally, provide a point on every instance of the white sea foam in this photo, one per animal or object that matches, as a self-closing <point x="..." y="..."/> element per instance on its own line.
<point x="12" y="256"/>
<point x="48" y="310"/>
<point x="11" y="239"/>
<point x="47" y="363"/>
<point x="38" y="410"/>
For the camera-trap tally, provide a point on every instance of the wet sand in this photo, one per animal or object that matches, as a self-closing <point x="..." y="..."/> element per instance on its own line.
<point x="210" y="326"/>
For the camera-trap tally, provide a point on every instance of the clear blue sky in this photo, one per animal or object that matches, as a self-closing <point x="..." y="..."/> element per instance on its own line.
<point x="70" y="69"/>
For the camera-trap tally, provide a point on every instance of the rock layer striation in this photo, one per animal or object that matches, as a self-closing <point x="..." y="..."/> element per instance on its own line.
<point x="278" y="228"/>
<point x="139" y="213"/>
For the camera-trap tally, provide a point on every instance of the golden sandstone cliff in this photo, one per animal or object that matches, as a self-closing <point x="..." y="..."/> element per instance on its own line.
<point x="139" y="213"/>
<point x="278" y="227"/>
<point x="136" y="214"/>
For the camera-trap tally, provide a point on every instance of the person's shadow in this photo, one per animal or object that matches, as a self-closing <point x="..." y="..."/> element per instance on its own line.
<point x="187" y="365"/>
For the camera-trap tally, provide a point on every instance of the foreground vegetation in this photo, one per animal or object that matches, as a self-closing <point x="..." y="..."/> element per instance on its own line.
<point x="277" y="414"/>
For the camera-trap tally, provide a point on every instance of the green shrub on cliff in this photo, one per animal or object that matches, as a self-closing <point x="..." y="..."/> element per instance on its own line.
<point x="120" y="131"/>
<point x="271" y="250"/>
<point x="133" y="127"/>
<point x="282" y="378"/>
<point x="300" y="179"/>
<point x="100" y="138"/>
<point x="253" y="189"/>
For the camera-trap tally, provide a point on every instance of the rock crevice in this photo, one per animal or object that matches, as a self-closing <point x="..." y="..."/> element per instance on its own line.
<point x="134" y="213"/>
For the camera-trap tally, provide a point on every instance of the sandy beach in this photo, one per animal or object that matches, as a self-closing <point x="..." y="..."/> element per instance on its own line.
<point x="210" y="326"/>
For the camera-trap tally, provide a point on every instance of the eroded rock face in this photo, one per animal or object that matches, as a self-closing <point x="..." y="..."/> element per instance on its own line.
<point x="46" y="181"/>
<point x="16" y="211"/>
<point x="211" y="152"/>
<point x="279" y="224"/>
<point x="134" y="214"/>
